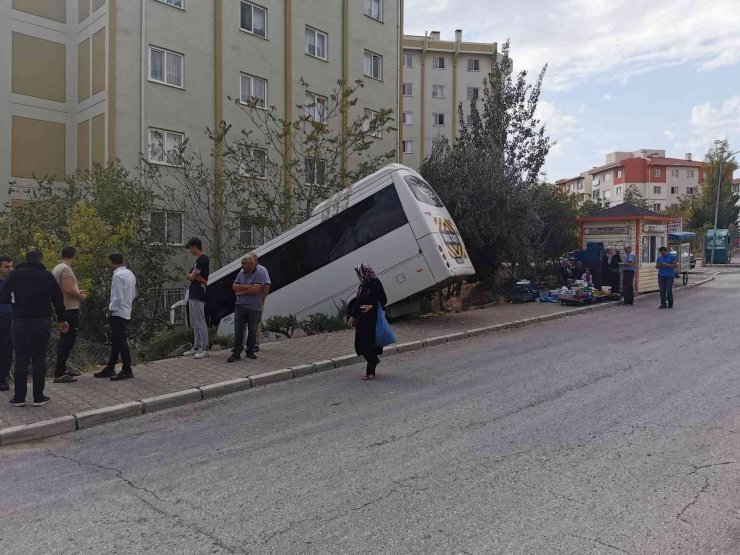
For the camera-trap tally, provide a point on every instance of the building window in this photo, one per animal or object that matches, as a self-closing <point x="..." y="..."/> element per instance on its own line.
<point x="675" y="173"/>
<point x="656" y="172"/>
<point x="408" y="146"/>
<point x="374" y="9"/>
<point x="656" y="207"/>
<point x="650" y="245"/>
<point x="618" y="191"/>
<point x="607" y="194"/>
<point x="165" y="147"/>
<point x="595" y="194"/>
<point x="438" y="91"/>
<point x="256" y="165"/>
<point x="408" y="60"/>
<point x="473" y="64"/>
<point x="165" y="67"/>
<point x="619" y="174"/>
<point x="674" y="190"/>
<point x="250" y="235"/>
<point x="253" y="89"/>
<point x="469" y="120"/>
<point x="607" y="177"/>
<point x="166" y="227"/>
<point x="254" y="19"/>
<point x="315" y="107"/>
<point x="317" y="43"/>
<point x="407" y="118"/>
<point x="367" y="125"/>
<point x="438" y="120"/>
<point x="312" y="176"/>
<point x="473" y="93"/>
<point x="438" y="62"/>
<point x="408" y="89"/>
<point x="174" y="3"/>
<point x="656" y="189"/>
<point x="373" y="65"/>
<point x="690" y="173"/>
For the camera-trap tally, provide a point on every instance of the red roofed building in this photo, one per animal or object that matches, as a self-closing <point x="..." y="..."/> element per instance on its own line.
<point x="660" y="180"/>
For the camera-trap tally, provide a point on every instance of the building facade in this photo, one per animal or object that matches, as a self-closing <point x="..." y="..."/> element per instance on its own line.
<point x="88" y="81"/>
<point x="436" y="77"/>
<point x="579" y="185"/>
<point x="661" y="180"/>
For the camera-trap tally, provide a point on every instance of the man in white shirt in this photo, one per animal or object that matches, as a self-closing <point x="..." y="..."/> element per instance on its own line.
<point x="122" y="294"/>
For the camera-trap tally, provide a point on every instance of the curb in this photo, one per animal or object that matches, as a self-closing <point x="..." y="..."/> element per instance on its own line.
<point x="87" y="419"/>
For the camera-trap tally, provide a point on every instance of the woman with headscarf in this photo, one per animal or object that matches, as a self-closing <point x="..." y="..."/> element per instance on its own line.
<point x="611" y="269"/>
<point x="363" y="316"/>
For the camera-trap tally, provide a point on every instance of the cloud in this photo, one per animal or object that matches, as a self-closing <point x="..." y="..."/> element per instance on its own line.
<point x="608" y="97"/>
<point x="587" y="41"/>
<point x="725" y="117"/>
<point x="708" y="122"/>
<point x="557" y="122"/>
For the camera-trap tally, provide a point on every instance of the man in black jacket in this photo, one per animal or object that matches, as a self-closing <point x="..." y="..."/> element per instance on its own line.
<point x="32" y="290"/>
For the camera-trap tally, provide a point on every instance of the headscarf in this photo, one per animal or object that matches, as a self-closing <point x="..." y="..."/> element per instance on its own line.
<point x="610" y="254"/>
<point x="365" y="273"/>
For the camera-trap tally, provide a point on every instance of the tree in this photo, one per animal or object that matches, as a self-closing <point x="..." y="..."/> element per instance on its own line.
<point x="702" y="207"/>
<point x="633" y="196"/>
<point x="558" y="232"/>
<point x="590" y="207"/>
<point x="97" y="212"/>
<point x="487" y="178"/>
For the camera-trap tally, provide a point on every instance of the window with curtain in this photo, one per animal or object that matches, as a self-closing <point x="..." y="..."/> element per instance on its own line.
<point x="165" y="67"/>
<point x="254" y="19"/>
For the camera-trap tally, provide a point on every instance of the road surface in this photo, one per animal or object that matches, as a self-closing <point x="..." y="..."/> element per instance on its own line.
<point x="615" y="432"/>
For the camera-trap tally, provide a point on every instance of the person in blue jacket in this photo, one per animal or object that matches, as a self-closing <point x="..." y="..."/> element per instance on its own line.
<point x="666" y="264"/>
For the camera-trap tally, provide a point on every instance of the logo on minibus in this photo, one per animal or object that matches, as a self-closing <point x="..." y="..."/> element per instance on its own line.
<point x="451" y="239"/>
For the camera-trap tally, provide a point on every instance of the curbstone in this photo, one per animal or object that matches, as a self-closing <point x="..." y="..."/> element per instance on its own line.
<point x="432" y="341"/>
<point x="476" y="332"/>
<point x="410" y="346"/>
<point x="457" y="336"/>
<point x="515" y="324"/>
<point x="496" y="328"/>
<point x="390" y="350"/>
<point x="323" y="365"/>
<point x="547" y="318"/>
<point x="271" y="377"/>
<point x="530" y="321"/>
<point x="303" y="370"/>
<point x="175" y="399"/>
<point x="346" y="360"/>
<point x="224" y="388"/>
<point x="94" y="417"/>
<point x="38" y="430"/>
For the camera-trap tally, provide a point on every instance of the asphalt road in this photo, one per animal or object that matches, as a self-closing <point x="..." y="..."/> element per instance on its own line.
<point x="604" y="433"/>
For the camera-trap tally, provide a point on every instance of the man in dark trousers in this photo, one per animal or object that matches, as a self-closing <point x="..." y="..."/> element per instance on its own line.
<point x="6" y="328"/>
<point x="73" y="296"/>
<point x="629" y="266"/>
<point x="33" y="291"/>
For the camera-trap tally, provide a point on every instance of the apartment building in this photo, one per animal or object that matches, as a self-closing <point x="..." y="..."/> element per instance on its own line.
<point x="660" y="180"/>
<point x="579" y="185"/>
<point x="85" y="81"/>
<point x="438" y="75"/>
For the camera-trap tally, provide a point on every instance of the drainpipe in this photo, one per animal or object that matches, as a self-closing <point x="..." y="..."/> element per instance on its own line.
<point x="142" y="123"/>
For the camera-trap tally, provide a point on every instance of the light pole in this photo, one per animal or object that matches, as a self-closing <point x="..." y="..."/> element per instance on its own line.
<point x="716" y="205"/>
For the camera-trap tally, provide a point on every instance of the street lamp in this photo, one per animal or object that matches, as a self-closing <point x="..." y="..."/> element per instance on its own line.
<point x="716" y="205"/>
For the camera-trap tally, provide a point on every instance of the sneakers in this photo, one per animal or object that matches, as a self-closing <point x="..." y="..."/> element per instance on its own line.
<point x="256" y="349"/>
<point x="191" y="352"/>
<point x="233" y="358"/>
<point x="73" y="373"/>
<point x="18" y="402"/>
<point x="251" y="355"/>
<point x="4" y="386"/>
<point x="105" y="373"/>
<point x="67" y="378"/>
<point x="203" y="353"/>
<point x="122" y="375"/>
<point x="41" y="402"/>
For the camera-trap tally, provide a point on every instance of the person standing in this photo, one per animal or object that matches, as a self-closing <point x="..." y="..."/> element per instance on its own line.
<point x="122" y="294"/>
<point x="6" y="327"/>
<point x="363" y="316"/>
<point x="629" y="266"/>
<point x="247" y="287"/>
<point x="198" y="277"/>
<point x="265" y="292"/>
<point x="666" y="264"/>
<point x="33" y="291"/>
<point x="73" y="296"/>
<point x="611" y="269"/>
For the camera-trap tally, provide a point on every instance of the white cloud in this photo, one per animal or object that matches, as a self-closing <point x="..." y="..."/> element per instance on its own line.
<point x="726" y="117"/>
<point x="586" y="41"/>
<point x="708" y="122"/>
<point x="608" y="97"/>
<point x="557" y="123"/>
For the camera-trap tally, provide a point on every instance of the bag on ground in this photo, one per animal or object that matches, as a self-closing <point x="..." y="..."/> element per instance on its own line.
<point x="383" y="332"/>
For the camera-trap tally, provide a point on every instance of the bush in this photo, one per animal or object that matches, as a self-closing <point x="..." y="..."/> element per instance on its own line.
<point x="166" y="343"/>
<point x="323" y="323"/>
<point x="282" y="325"/>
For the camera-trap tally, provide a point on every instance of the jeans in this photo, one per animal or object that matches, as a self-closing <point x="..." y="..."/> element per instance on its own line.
<point x="197" y="311"/>
<point x="250" y="318"/>
<point x="30" y="340"/>
<point x="6" y="348"/>
<point x="67" y="342"/>
<point x="119" y="344"/>
<point x="629" y="289"/>
<point x="666" y="290"/>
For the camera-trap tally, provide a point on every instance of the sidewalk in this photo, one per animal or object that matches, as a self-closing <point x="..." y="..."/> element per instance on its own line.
<point x="176" y="375"/>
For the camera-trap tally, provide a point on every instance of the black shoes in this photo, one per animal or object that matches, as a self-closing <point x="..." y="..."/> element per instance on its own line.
<point x="256" y="349"/>
<point x="233" y="358"/>
<point x="4" y="386"/>
<point x="41" y="402"/>
<point x="663" y="306"/>
<point x="122" y="375"/>
<point x="105" y="373"/>
<point x="73" y="373"/>
<point x="67" y="378"/>
<point x="18" y="402"/>
<point x="251" y="355"/>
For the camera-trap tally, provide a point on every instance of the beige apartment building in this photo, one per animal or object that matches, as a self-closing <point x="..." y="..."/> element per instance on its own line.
<point x="437" y="76"/>
<point x="85" y="81"/>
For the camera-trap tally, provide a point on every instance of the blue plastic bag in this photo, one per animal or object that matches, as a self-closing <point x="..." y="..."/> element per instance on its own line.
<point x="383" y="332"/>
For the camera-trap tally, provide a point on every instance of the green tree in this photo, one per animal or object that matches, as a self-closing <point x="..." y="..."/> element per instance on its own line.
<point x="702" y="207"/>
<point x="633" y="196"/>
<point x="590" y="207"/>
<point x="487" y="178"/>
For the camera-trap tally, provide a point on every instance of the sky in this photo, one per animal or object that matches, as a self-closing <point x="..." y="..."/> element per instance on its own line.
<point x="622" y="74"/>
